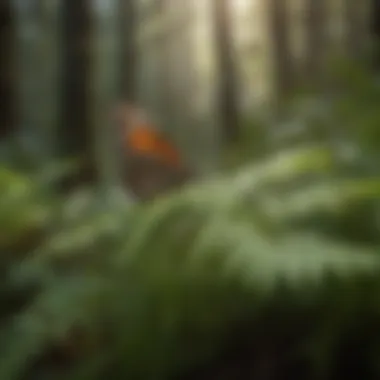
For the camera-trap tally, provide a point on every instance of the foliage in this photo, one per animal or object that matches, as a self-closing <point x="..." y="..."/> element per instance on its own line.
<point x="158" y="289"/>
<point x="270" y="271"/>
<point x="344" y="114"/>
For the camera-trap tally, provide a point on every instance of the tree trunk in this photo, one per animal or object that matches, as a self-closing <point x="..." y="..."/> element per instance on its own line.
<point x="375" y="28"/>
<point x="315" y="40"/>
<point x="354" y="35"/>
<point x="105" y="70"/>
<point x="6" y="69"/>
<point x="37" y="59"/>
<point x="227" y="84"/>
<point x="128" y="25"/>
<point x="281" y="55"/>
<point x="75" y="127"/>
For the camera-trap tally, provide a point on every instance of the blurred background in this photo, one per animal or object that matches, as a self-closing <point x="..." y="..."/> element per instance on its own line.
<point x="261" y="262"/>
<point x="200" y="68"/>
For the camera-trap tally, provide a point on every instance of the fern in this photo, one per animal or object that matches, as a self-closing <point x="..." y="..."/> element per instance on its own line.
<point x="170" y="282"/>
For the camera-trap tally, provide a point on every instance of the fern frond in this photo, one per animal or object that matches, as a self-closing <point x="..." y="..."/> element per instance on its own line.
<point x="172" y="279"/>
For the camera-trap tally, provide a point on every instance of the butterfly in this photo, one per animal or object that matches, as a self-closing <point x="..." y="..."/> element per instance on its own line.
<point x="154" y="163"/>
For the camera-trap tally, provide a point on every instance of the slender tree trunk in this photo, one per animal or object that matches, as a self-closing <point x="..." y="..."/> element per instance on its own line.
<point x="128" y="29"/>
<point x="50" y="66"/>
<point x="165" y="86"/>
<point x="227" y="84"/>
<point x="26" y="59"/>
<point x="375" y="28"/>
<point x="282" y="59"/>
<point x="6" y="69"/>
<point x="38" y="44"/>
<point x="75" y="123"/>
<point x="355" y="33"/>
<point x="105" y="77"/>
<point x="315" y="40"/>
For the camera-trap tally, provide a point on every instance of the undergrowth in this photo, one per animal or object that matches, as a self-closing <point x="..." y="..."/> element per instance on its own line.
<point x="268" y="272"/>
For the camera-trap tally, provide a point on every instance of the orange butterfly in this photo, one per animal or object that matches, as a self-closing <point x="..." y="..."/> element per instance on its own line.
<point x="154" y="165"/>
<point x="141" y="137"/>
